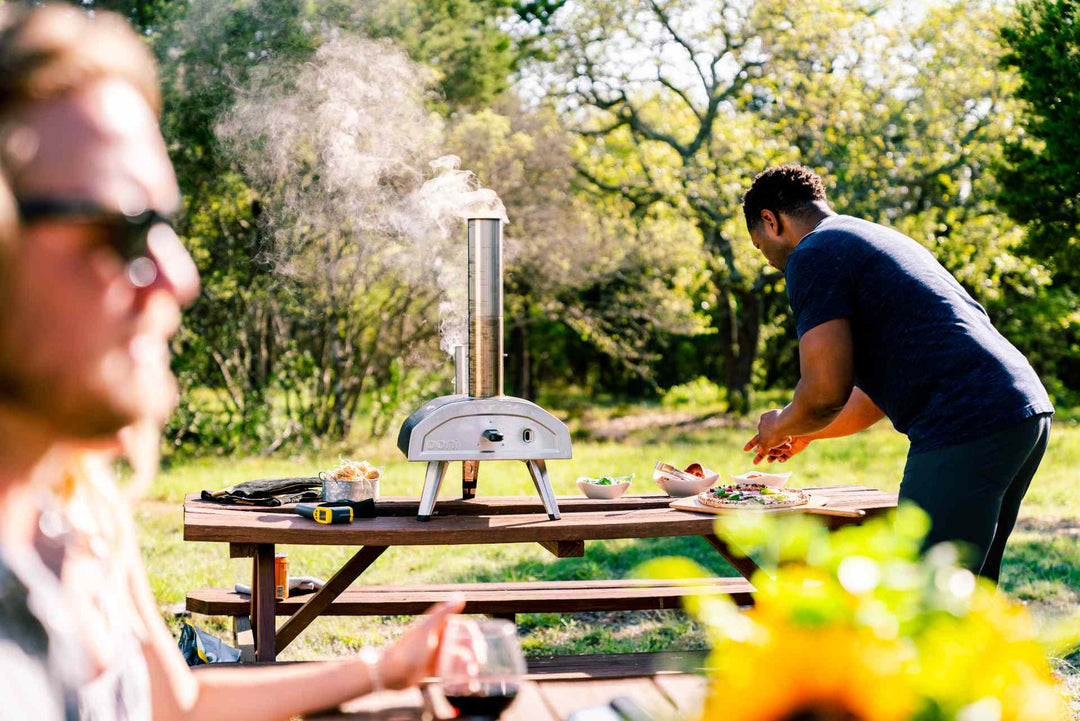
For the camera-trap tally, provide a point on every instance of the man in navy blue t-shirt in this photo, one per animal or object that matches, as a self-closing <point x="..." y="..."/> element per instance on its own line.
<point x="885" y="330"/>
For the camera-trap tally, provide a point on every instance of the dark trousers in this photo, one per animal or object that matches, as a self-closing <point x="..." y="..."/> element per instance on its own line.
<point x="973" y="490"/>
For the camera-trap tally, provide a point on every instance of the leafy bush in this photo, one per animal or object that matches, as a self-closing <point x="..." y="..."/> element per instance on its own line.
<point x="698" y="393"/>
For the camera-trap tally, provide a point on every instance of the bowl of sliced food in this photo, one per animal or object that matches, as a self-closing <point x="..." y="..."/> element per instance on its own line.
<point x="351" y="481"/>
<point x="681" y="483"/>
<point x="773" y="480"/>
<point x="604" y="487"/>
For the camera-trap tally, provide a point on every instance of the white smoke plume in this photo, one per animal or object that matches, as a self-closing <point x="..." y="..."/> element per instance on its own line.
<point x="350" y="160"/>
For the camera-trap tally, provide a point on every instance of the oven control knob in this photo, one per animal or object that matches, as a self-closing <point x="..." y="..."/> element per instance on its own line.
<point x="493" y="435"/>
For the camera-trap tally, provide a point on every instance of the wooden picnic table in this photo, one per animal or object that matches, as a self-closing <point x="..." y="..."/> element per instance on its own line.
<point x="254" y="532"/>
<point x="664" y="684"/>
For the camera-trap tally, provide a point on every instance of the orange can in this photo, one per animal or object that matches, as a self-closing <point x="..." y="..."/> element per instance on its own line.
<point x="281" y="576"/>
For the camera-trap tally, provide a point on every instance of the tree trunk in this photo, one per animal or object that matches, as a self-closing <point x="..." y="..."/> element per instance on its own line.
<point x="743" y="327"/>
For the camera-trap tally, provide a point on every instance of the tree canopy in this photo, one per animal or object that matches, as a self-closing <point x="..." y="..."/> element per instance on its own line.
<point x="1041" y="178"/>
<point x="620" y="135"/>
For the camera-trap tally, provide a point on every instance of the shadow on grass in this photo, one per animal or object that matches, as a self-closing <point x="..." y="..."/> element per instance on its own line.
<point x="1043" y="567"/>
<point x="605" y="559"/>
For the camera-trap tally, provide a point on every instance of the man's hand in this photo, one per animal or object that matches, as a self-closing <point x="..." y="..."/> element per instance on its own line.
<point x="767" y="437"/>
<point x="784" y="452"/>
<point x="767" y="433"/>
<point x="413" y="657"/>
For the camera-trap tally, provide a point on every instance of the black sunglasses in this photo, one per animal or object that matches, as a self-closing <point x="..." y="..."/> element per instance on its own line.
<point x="128" y="234"/>
<point x="130" y="240"/>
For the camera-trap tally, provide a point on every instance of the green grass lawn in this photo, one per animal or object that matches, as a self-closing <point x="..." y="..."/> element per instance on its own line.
<point x="1042" y="567"/>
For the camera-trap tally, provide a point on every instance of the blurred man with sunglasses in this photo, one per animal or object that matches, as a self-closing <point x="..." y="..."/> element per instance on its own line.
<point x="98" y="276"/>
<point x="92" y="281"/>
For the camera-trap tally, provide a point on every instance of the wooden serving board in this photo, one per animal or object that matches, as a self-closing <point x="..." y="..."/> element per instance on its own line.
<point x="691" y="503"/>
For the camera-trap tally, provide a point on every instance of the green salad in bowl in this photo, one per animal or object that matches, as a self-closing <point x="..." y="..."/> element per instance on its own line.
<point x="604" y="487"/>
<point x="607" y="480"/>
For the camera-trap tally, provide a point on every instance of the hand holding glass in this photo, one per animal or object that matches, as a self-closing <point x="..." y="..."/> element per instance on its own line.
<point x="480" y="666"/>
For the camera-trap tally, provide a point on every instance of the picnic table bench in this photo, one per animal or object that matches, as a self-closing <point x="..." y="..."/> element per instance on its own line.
<point x="253" y="532"/>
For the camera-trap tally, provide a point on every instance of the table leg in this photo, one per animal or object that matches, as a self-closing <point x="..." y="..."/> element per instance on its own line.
<point x="254" y="601"/>
<point x="244" y="638"/>
<point x="325" y="596"/>
<point x="743" y="564"/>
<point x="262" y="602"/>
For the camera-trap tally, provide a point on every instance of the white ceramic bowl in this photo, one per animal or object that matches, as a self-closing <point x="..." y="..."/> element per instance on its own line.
<point x="773" y="480"/>
<point x="592" y="490"/>
<point x="684" y="484"/>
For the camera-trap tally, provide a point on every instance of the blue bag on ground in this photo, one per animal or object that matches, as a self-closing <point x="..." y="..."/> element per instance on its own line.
<point x="199" y="647"/>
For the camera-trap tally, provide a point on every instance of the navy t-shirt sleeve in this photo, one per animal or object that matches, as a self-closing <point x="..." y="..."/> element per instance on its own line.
<point x="819" y="289"/>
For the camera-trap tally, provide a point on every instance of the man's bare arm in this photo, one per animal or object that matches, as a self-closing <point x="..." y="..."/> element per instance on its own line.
<point x="827" y="370"/>
<point x="859" y="414"/>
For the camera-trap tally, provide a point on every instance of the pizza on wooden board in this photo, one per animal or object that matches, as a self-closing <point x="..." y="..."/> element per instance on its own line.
<point x="753" y="495"/>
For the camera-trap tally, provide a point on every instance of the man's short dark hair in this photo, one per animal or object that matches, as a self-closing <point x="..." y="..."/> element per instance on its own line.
<point x="788" y="189"/>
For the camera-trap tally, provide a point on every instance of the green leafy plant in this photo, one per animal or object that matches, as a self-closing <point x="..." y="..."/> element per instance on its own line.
<point x="698" y="393"/>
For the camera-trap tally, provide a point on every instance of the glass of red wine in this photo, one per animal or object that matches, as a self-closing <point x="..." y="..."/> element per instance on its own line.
<point x="480" y="666"/>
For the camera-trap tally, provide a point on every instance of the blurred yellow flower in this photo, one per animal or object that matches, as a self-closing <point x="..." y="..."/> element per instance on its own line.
<point x="788" y="672"/>
<point x="856" y="626"/>
<point x="991" y="652"/>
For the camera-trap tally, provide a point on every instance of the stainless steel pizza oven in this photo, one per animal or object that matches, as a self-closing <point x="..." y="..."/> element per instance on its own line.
<point x="481" y="424"/>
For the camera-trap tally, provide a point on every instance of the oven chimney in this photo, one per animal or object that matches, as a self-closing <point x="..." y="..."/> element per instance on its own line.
<point x="485" y="308"/>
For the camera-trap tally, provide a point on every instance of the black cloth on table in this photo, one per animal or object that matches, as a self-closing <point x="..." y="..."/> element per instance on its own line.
<point x="267" y="492"/>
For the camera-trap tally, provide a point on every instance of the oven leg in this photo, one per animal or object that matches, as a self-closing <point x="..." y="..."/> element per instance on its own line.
<point x="436" y="470"/>
<point x="538" y="471"/>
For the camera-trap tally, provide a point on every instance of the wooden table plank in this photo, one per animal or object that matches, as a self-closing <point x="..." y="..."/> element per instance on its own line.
<point x="685" y="691"/>
<point x="565" y="697"/>
<point x="656" y="680"/>
<point x="403" y="705"/>
<point x="554" y="585"/>
<point x="408" y="705"/>
<point x="504" y="505"/>
<point x="615" y="665"/>
<point x="230" y="525"/>
<point x="480" y="506"/>
<point x="510" y="599"/>
<point x="279" y="528"/>
<point x="529" y="705"/>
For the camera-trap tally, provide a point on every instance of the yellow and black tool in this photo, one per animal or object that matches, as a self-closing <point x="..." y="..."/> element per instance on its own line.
<point x="323" y="513"/>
